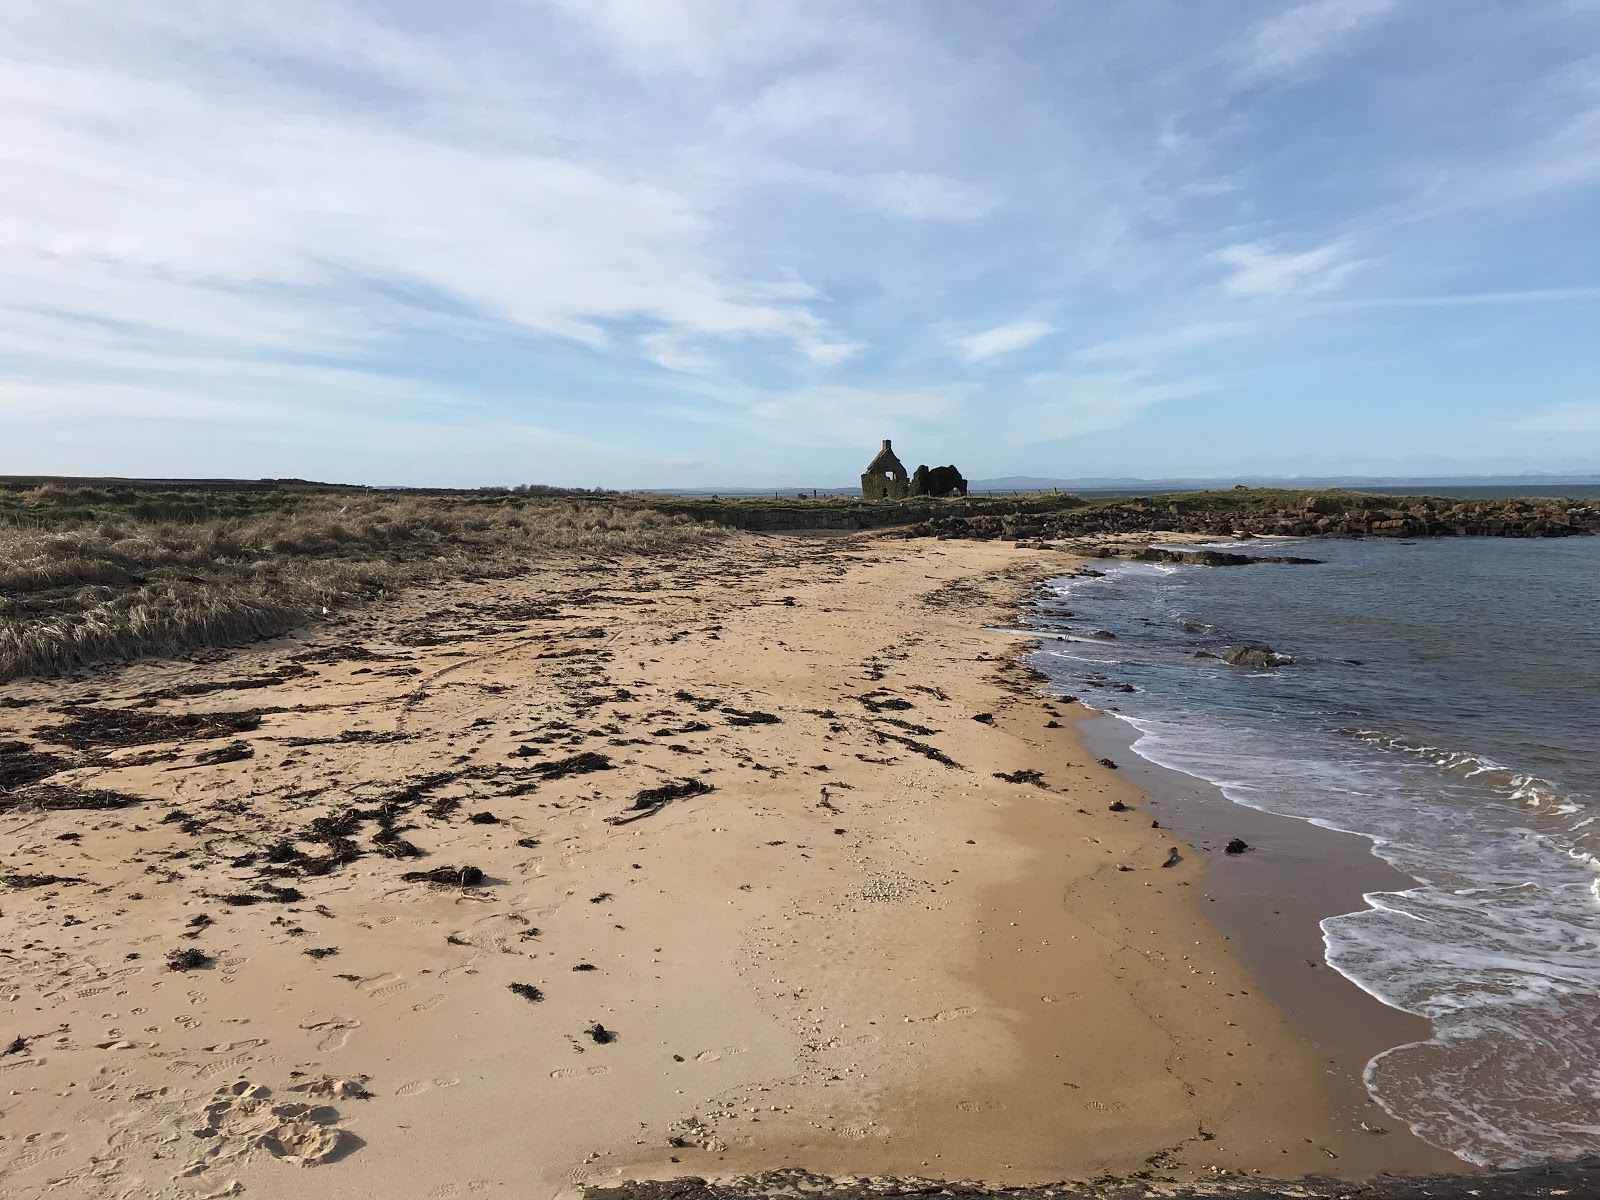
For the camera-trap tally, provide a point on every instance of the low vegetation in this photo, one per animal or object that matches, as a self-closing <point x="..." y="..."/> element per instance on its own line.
<point x="90" y="576"/>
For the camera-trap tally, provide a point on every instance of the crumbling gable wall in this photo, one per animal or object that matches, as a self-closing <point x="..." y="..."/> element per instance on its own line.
<point x="885" y="477"/>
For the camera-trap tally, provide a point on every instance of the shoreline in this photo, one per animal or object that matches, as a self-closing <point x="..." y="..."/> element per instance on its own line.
<point x="855" y="949"/>
<point x="1269" y="903"/>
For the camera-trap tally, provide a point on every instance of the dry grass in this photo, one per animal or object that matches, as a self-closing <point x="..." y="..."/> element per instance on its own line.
<point x="89" y="577"/>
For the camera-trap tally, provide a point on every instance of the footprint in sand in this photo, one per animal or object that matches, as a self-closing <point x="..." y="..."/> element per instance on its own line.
<point x="449" y="1191"/>
<point x="952" y="1014"/>
<point x="568" y="1073"/>
<point x="40" y="1149"/>
<point x="419" y="1086"/>
<point x="217" y="1067"/>
<point x="334" y="1034"/>
<point x="711" y="1056"/>
<point x="391" y="989"/>
<point x="428" y="1005"/>
<point x="230" y="1047"/>
<point x="582" y="1176"/>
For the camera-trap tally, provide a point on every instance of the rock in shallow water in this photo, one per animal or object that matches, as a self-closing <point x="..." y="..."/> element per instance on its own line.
<point x="1254" y="654"/>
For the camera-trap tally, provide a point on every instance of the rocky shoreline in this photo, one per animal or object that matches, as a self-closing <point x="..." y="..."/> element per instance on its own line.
<point x="1570" y="1180"/>
<point x="1323" y="514"/>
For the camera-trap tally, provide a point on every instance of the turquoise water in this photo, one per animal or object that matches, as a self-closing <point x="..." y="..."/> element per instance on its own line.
<point x="1444" y="701"/>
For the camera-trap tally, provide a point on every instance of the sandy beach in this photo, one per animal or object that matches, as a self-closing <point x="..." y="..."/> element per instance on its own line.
<point x="726" y="876"/>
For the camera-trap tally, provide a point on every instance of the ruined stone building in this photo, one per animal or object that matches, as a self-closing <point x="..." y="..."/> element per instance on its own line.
<point x="886" y="479"/>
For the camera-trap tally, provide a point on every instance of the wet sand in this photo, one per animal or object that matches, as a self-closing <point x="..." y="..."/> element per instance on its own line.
<point x="712" y="870"/>
<point x="1268" y="903"/>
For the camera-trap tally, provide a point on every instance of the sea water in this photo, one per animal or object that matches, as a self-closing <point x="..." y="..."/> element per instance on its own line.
<point x="1444" y="701"/>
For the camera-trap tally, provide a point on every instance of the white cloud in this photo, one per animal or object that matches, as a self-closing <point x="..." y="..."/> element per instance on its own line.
<point x="666" y="350"/>
<point x="1146" y="346"/>
<point x="708" y="37"/>
<point x="1287" y="41"/>
<point x="841" y="415"/>
<point x="1581" y="416"/>
<point x="1472" y="299"/>
<point x="834" y="106"/>
<point x="155" y="206"/>
<point x="918" y="196"/>
<point x="830" y="354"/>
<point x="1003" y="339"/>
<point x="1259" y="270"/>
<point x="1067" y="404"/>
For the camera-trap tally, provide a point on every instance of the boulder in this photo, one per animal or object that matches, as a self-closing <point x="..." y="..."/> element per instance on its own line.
<point x="1254" y="654"/>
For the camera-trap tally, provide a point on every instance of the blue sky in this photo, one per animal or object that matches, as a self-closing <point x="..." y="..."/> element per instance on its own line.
<point x="686" y="242"/>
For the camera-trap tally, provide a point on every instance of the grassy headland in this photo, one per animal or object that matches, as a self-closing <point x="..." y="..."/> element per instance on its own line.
<point x="91" y="576"/>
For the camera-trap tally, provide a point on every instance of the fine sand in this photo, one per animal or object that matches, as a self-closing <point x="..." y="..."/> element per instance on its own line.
<point x="860" y="951"/>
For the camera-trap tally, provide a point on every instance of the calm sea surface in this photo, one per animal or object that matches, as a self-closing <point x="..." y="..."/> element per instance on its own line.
<point x="1444" y="701"/>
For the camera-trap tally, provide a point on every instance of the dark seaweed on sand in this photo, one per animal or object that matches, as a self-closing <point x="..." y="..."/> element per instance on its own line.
<point x="189" y="959"/>
<point x="463" y="877"/>
<point x="738" y="717"/>
<point x="528" y="992"/>
<point x="232" y="752"/>
<point x="22" y="882"/>
<point x="577" y="764"/>
<point x="1024" y="776"/>
<point x="90" y="728"/>
<point x="653" y="800"/>
<point x="20" y="764"/>
<point x="54" y="797"/>
<point x="922" y="748"/>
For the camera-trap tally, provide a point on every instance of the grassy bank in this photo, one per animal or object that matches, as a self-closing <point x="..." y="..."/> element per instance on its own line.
<point x="92" y="576"/>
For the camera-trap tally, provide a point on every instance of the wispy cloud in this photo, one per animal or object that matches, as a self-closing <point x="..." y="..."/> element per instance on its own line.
<point x="1002" y="339"/>
<point x="1286" y="42"/>
<point x="1256" y="269"/>
<point x="924" y="197"/>
<point x="1143" y="347"/>
<point x="1063" y="404"/>
<point x="1580" y="416"/>
<point x="1471" y="299"/>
